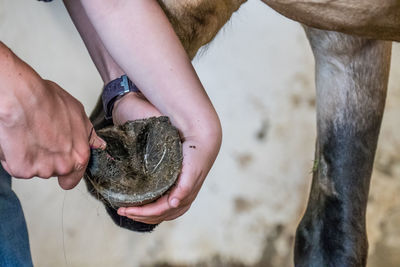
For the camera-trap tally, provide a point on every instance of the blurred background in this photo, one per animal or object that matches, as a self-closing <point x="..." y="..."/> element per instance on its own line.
<point x="259" y="75"/>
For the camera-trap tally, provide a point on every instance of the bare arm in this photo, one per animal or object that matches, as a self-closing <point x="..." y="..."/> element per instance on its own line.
<point x="133" y="104"/>
<point x="141" y="40"/>
<point x="43" y="130"/>
<point x="105" y="64"/>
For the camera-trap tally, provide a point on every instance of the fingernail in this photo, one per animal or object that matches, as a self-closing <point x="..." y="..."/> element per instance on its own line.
<point x="174" y="202"/>
<point x="102" y="143"/>
<point x="121" y="212"/>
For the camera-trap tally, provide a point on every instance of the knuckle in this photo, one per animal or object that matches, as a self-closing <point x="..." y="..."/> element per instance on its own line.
<point x="45" y="173"/>
<point x="25" y="173"/>
<point x="64" y="168"/>
<point x="12" y="171"/>
<point x="66" y="144"/>
<point x="30" y="173"/>
<point x="45" y="170"/>
<point x="82" y="155"/>
<point x="21" y="170"/>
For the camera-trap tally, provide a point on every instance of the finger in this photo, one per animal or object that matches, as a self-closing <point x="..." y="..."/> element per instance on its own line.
<point x="154" y="209"/>
<point x="68" y="182"/>
<point x="185" y="190"/>
<point x="177" y="214"/>
<point x="63" y="167"/>
<point x="95" y="141"/>
<point x="81" y="156"/>
<point x="171" y="215"/>
<point x="71" y="180"/>
<point x="45" y="168"/>
<point x="145" y="220"/>
<point x="79" y="159"/>
<point x="156" y="220"/>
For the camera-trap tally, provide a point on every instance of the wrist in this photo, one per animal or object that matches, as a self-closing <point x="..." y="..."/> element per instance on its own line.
<point x="115" y="90"/>
<point x="18" y="89"/>
<point x="121" y="101"/>
<point x="9" y="85"/>
<point x="15" y="74"/>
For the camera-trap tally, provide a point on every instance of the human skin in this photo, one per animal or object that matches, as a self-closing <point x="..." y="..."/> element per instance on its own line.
<point x="44" y="131"/>
<point x="138" y="107"/>
<point x="139" y="37"/>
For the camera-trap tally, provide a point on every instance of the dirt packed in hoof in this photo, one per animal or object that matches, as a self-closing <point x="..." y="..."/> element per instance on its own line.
<point x="142" y="161"/>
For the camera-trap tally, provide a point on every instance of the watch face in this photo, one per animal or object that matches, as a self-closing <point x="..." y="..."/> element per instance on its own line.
<point x="125" y="84"/>
<point x="114" y="90"/>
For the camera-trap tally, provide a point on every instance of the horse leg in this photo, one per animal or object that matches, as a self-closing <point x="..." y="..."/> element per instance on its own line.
<point x="351" y="81"/>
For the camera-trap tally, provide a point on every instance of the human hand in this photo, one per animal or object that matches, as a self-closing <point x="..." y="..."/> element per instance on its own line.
<point x="45" y="132"/>
<point x="200" y="148"/>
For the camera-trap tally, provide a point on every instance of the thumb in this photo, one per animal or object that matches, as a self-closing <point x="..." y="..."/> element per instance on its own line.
<point x="174" y="202"/>
<point x="95" y="141"/>
<point x="179" y="194"/>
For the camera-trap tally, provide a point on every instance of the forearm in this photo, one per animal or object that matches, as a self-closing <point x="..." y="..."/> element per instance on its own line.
<point x="44" y="131"/>
<point x="140" y="38"/>
<point x="105" y="64"/>
<point x="17" y="78"/>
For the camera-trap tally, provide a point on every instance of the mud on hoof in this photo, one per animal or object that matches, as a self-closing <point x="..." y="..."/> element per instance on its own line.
<point x="142" y="161"/>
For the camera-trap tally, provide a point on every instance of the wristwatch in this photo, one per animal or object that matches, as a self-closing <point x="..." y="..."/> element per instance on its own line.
<point x="115" y="90"/>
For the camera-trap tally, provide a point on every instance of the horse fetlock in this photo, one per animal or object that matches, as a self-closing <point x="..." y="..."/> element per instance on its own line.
<point x="321" y="241"/>
<point x="332" y="231"/>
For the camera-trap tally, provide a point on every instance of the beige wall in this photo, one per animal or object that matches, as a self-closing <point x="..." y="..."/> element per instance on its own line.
<point x="259" y="74"/>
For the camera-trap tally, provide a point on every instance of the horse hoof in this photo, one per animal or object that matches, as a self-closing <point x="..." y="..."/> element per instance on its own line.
<point x="142" y="160"/>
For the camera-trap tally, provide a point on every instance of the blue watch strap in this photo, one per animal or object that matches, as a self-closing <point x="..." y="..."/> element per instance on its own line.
<point x="115" y="89"/>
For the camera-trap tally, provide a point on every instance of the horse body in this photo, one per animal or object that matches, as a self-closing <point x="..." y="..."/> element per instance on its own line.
<point x="368" y="18"/>
<point x="198" y="21"/>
